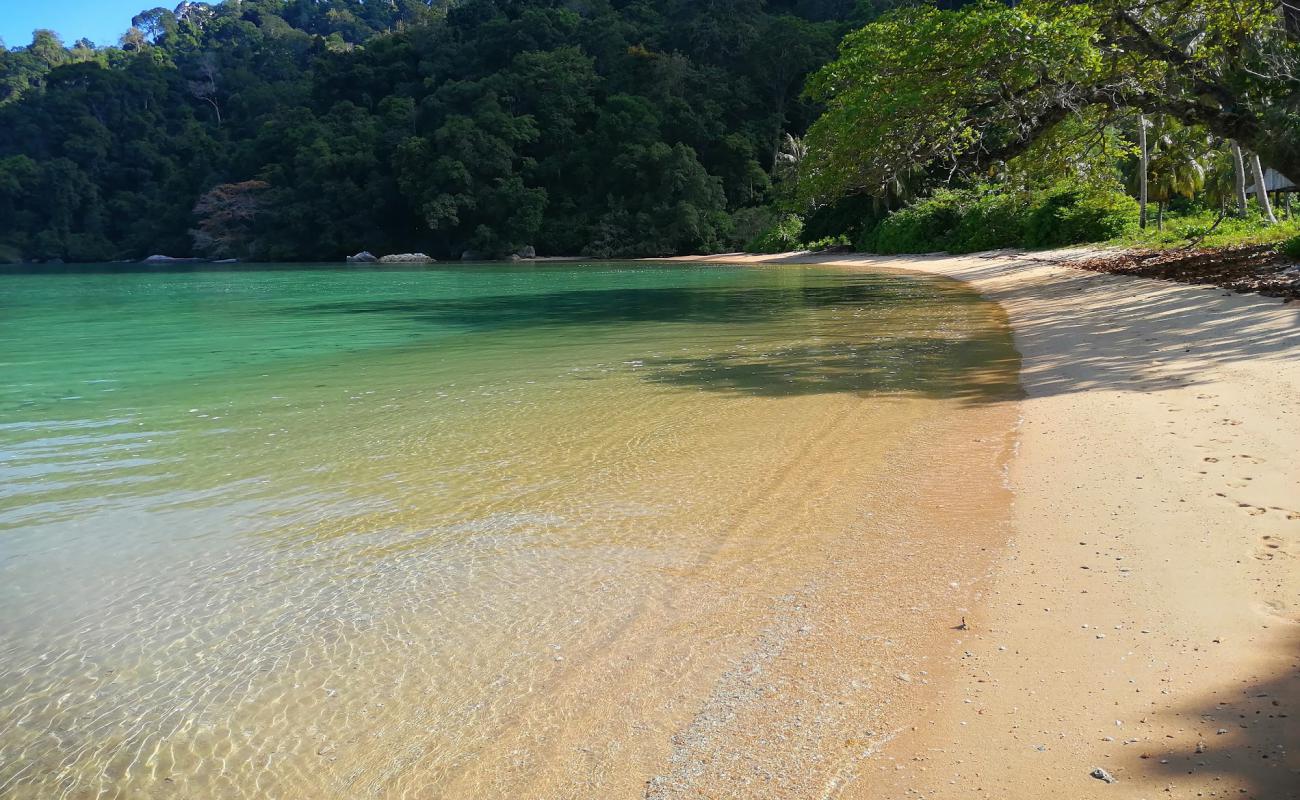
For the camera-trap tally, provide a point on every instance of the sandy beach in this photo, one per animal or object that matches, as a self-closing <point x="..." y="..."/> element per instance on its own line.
<point x="1140" y="635"/>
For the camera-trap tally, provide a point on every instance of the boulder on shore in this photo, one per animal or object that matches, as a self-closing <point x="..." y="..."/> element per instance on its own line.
<point x="406" y="258"/>
<point x="527" y="252"/>
<point x="364" y="257"/>
<point x="156" y="259"/>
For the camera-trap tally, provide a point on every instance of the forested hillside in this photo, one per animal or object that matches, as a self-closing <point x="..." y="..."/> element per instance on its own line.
<point x="328" y="126"/>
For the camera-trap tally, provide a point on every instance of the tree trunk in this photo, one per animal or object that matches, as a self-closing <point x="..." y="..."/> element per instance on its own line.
<point x="1261" y="191"/>
<point x="1287" y="205"/>
<point x="1239" y="175"/>
<point x="1160" y="215"/>
<point x="1145" y="166"/>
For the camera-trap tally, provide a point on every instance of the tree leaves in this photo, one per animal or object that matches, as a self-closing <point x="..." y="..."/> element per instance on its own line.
<point x="950" y="93"/>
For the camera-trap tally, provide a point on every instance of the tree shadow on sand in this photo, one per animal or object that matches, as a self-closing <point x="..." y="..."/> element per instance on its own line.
<point x="648" y="304"/>
<point x="916" y="334"/>
<point x="1257" y="755"/>
<point x="1080" y="331"/>
<point x="1084" y="331"/>
<point x="978" y="369"/>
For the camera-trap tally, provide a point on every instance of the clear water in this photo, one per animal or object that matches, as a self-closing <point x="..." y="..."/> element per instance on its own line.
<point x="443" y="532"/>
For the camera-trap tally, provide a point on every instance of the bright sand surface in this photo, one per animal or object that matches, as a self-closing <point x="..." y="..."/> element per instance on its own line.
<point x="1145" y="619"/>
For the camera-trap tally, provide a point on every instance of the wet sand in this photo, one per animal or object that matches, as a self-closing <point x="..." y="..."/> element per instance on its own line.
<point x="1145" y="619"/>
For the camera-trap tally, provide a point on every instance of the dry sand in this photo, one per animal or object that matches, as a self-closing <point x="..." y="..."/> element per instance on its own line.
<point x="1145" y="619"/>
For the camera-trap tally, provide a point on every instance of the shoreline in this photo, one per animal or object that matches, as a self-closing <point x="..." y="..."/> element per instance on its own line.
<point x="1145" y="619"/>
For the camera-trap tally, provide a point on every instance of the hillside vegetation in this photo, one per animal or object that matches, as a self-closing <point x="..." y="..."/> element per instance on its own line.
<point x="329" y="126"/>
<point x="311" y="129"/>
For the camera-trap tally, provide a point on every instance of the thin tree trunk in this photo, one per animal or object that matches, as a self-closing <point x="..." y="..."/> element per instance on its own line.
<point x="1239" y="168"/>
<point x="1145" y="166"/>
<point x="1261" y="191"/>
<point x="1160" y="215"/>
<point x="1286" y="204"/>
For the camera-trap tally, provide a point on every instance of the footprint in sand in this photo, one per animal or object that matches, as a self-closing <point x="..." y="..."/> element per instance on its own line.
<point x="1249" y="459"/>
<point x="1229" y="422"/>
<point x="1271" y="547"/>
<point x="1254" y="511"/>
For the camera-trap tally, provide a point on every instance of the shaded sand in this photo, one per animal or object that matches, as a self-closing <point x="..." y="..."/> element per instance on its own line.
<point x="1146" y="618"/>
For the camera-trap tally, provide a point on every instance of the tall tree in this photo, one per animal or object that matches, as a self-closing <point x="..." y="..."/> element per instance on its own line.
<point x="1261" y="188"/>
<point x="958" y="91"/>
<point x="1144" y="170"/>
<point x="1240" y="179"/>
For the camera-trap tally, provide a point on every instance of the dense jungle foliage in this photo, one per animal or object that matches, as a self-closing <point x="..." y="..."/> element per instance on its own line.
<point x="604" y="127"/>
<point x="312" y="129"/>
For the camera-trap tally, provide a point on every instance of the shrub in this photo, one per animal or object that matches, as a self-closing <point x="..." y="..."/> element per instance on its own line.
<point x="825" y="242"/>
<point x="988" y="217"/>
<point x="960" y="221"/>
<point x="992" y="220"/>
<point x="782" y="236"/>
<point x="923" y="227"/>
<point x="1072" y="215"/>
<point x="1291" y="248"/>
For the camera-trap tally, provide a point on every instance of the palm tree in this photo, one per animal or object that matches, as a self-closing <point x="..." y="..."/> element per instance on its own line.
<point x="789" y="157"/>
<point x="1221" y="177"/>
<point x="1177" y="165"/>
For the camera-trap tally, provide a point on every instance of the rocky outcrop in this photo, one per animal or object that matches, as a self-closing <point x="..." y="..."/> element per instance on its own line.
<point x="364" y="257"/>
<point x="156" y="259"/>
<point x="406" y="258"/>
<point x="527" y="252"/>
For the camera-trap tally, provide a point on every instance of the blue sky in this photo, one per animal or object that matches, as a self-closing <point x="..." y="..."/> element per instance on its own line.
<point x="101" y="21"/>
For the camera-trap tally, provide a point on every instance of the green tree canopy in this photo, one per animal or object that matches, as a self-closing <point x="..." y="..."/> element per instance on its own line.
<point x="621" y="126"/>
<point x="956" y="92"/>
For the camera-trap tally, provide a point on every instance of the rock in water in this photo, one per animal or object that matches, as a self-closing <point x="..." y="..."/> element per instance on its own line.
<point x="364" y="257"/>
<point x="1102" y="775"/>
<point x="406" y="258"/>
<point x="156" y="259"/>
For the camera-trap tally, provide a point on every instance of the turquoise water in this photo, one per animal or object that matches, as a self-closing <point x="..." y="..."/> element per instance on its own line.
<point x="314" y="531"/>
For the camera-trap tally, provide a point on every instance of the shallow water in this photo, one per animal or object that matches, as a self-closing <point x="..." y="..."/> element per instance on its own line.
<point x="446" y="532"/>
